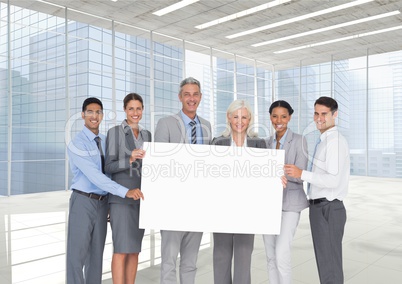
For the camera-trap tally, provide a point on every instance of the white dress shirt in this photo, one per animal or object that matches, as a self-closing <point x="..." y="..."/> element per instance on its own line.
<point x="329" y="177"/>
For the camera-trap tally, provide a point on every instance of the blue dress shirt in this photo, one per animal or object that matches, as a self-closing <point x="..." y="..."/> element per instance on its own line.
<point x="198" y="128"/>
<point x="281" y="142"/>
<point x="86" y="166"/>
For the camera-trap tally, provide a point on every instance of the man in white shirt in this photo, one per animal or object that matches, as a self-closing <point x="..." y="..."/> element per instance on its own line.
<point x="328" y="185"/>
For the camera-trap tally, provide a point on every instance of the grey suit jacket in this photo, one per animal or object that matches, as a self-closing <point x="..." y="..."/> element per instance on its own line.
<point x="119" y="144"/>
<point x="253" y="142"/>
<point x="171" y="129"/>
<point x="294" y="197"/>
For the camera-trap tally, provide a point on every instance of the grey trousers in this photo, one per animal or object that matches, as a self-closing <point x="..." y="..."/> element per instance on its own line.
<point x="327" y="221"/>
<point x="188" y="245"/>
<point x="87" y="226"/>
<point x="236" y="246"/>
<point x="278" y="249"/>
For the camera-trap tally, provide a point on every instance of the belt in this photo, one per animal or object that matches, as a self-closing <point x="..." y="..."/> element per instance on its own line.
<point x="318" y="200"/>
<point x="90" y="195"/>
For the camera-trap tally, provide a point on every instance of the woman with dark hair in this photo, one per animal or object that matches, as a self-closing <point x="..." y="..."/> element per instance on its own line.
<point x="123" y="162"/>
<point x="278" y="247"/>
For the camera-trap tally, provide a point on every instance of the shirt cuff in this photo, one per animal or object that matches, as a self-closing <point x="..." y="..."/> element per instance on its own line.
<point x="307" y="176"/>
<point x="122" y="191"/>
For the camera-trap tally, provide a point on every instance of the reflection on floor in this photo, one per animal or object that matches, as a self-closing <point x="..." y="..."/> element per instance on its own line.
<point x="33" y="234"/>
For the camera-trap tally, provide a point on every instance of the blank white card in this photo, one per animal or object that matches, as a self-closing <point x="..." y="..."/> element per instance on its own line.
<point x="203" y="188"/>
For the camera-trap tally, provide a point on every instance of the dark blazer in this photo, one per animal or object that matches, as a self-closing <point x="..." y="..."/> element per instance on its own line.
<point x="119" y="144"/>
<point x="294" y="197"/>
<point x="253" y="142"/>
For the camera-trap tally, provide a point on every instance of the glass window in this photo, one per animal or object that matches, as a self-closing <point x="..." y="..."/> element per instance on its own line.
<point x="368" y="89"/>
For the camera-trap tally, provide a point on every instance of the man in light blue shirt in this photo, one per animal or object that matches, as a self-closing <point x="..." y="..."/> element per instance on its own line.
<point x="87" y="220"/>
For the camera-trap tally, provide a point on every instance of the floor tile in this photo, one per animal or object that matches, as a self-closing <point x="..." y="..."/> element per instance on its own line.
<point x="392" y="260"/>
<point x="376" y="275"/>
<point x="33" y="234"/>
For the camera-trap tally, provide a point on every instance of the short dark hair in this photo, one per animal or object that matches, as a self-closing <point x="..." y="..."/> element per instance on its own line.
<point x="132" y="97"/>
<point x="283" y="104"/>
<point x="328" y="102"/>
<point x="89" y="101"/>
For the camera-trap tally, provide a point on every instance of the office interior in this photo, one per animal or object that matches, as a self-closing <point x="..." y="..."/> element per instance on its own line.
<point x="56" y="53"/>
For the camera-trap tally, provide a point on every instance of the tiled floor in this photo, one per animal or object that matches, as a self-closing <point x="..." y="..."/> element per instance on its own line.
<point x="33" y="233"/>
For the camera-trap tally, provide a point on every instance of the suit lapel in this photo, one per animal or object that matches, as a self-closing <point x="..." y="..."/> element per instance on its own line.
<point x="145" y="135"/>
<point x="181" y="127"/>
<point x="289" y="138"/>
<point x="227" y="141"/>
<point x="270" y="141"/>
<point x="250" y="142"/>
<point x="129" y="138"/>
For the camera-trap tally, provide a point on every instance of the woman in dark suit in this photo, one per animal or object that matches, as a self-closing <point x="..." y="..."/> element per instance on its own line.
<point x="278" y="247"/>
<point x="238" y="133"/>
<point x="123" y="162"/>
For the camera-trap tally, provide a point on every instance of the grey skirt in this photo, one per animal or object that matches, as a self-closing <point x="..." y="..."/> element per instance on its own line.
<point x="126" y="234"/>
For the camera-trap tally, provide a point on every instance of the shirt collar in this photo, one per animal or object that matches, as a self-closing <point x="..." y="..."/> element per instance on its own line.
<point x="88" y="133"/>
<point x="283" y="139"/>
<point x="127" y="127"/>
<point x="187" y="120"/>
<point x="327" y="133"/>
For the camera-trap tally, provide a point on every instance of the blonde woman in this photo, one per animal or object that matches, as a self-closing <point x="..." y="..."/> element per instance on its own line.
<point x="239" y="247"/>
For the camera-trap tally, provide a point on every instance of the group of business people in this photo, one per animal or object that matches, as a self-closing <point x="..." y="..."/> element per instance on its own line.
<point x="95" y="196"/>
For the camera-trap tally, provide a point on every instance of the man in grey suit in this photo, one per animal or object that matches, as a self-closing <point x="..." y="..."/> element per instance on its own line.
<point x="184" y="127"/>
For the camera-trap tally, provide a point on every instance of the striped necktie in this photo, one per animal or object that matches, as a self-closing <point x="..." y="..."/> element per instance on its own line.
<point x="193" y="132"/>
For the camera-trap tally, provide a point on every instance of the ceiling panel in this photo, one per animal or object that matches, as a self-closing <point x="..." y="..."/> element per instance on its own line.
<point x="181" y="24"/>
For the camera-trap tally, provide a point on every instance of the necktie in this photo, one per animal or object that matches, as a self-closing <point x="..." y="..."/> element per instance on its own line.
<point x="311" y="165"/>
<point x="193" y="132"/>
<point x="98" y="143"/>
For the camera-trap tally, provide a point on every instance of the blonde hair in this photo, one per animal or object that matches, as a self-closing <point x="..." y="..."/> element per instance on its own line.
<point x="236" y="105"/>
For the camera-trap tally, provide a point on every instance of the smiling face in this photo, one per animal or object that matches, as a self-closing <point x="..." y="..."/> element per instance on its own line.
<point x="324" y="118"/>
<point x="190" y="97"/>
<point x="93" y="116"/>
<point x="133" y="112"/>
<point x="280" y="118"/>
<point x="239" y="120"/>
